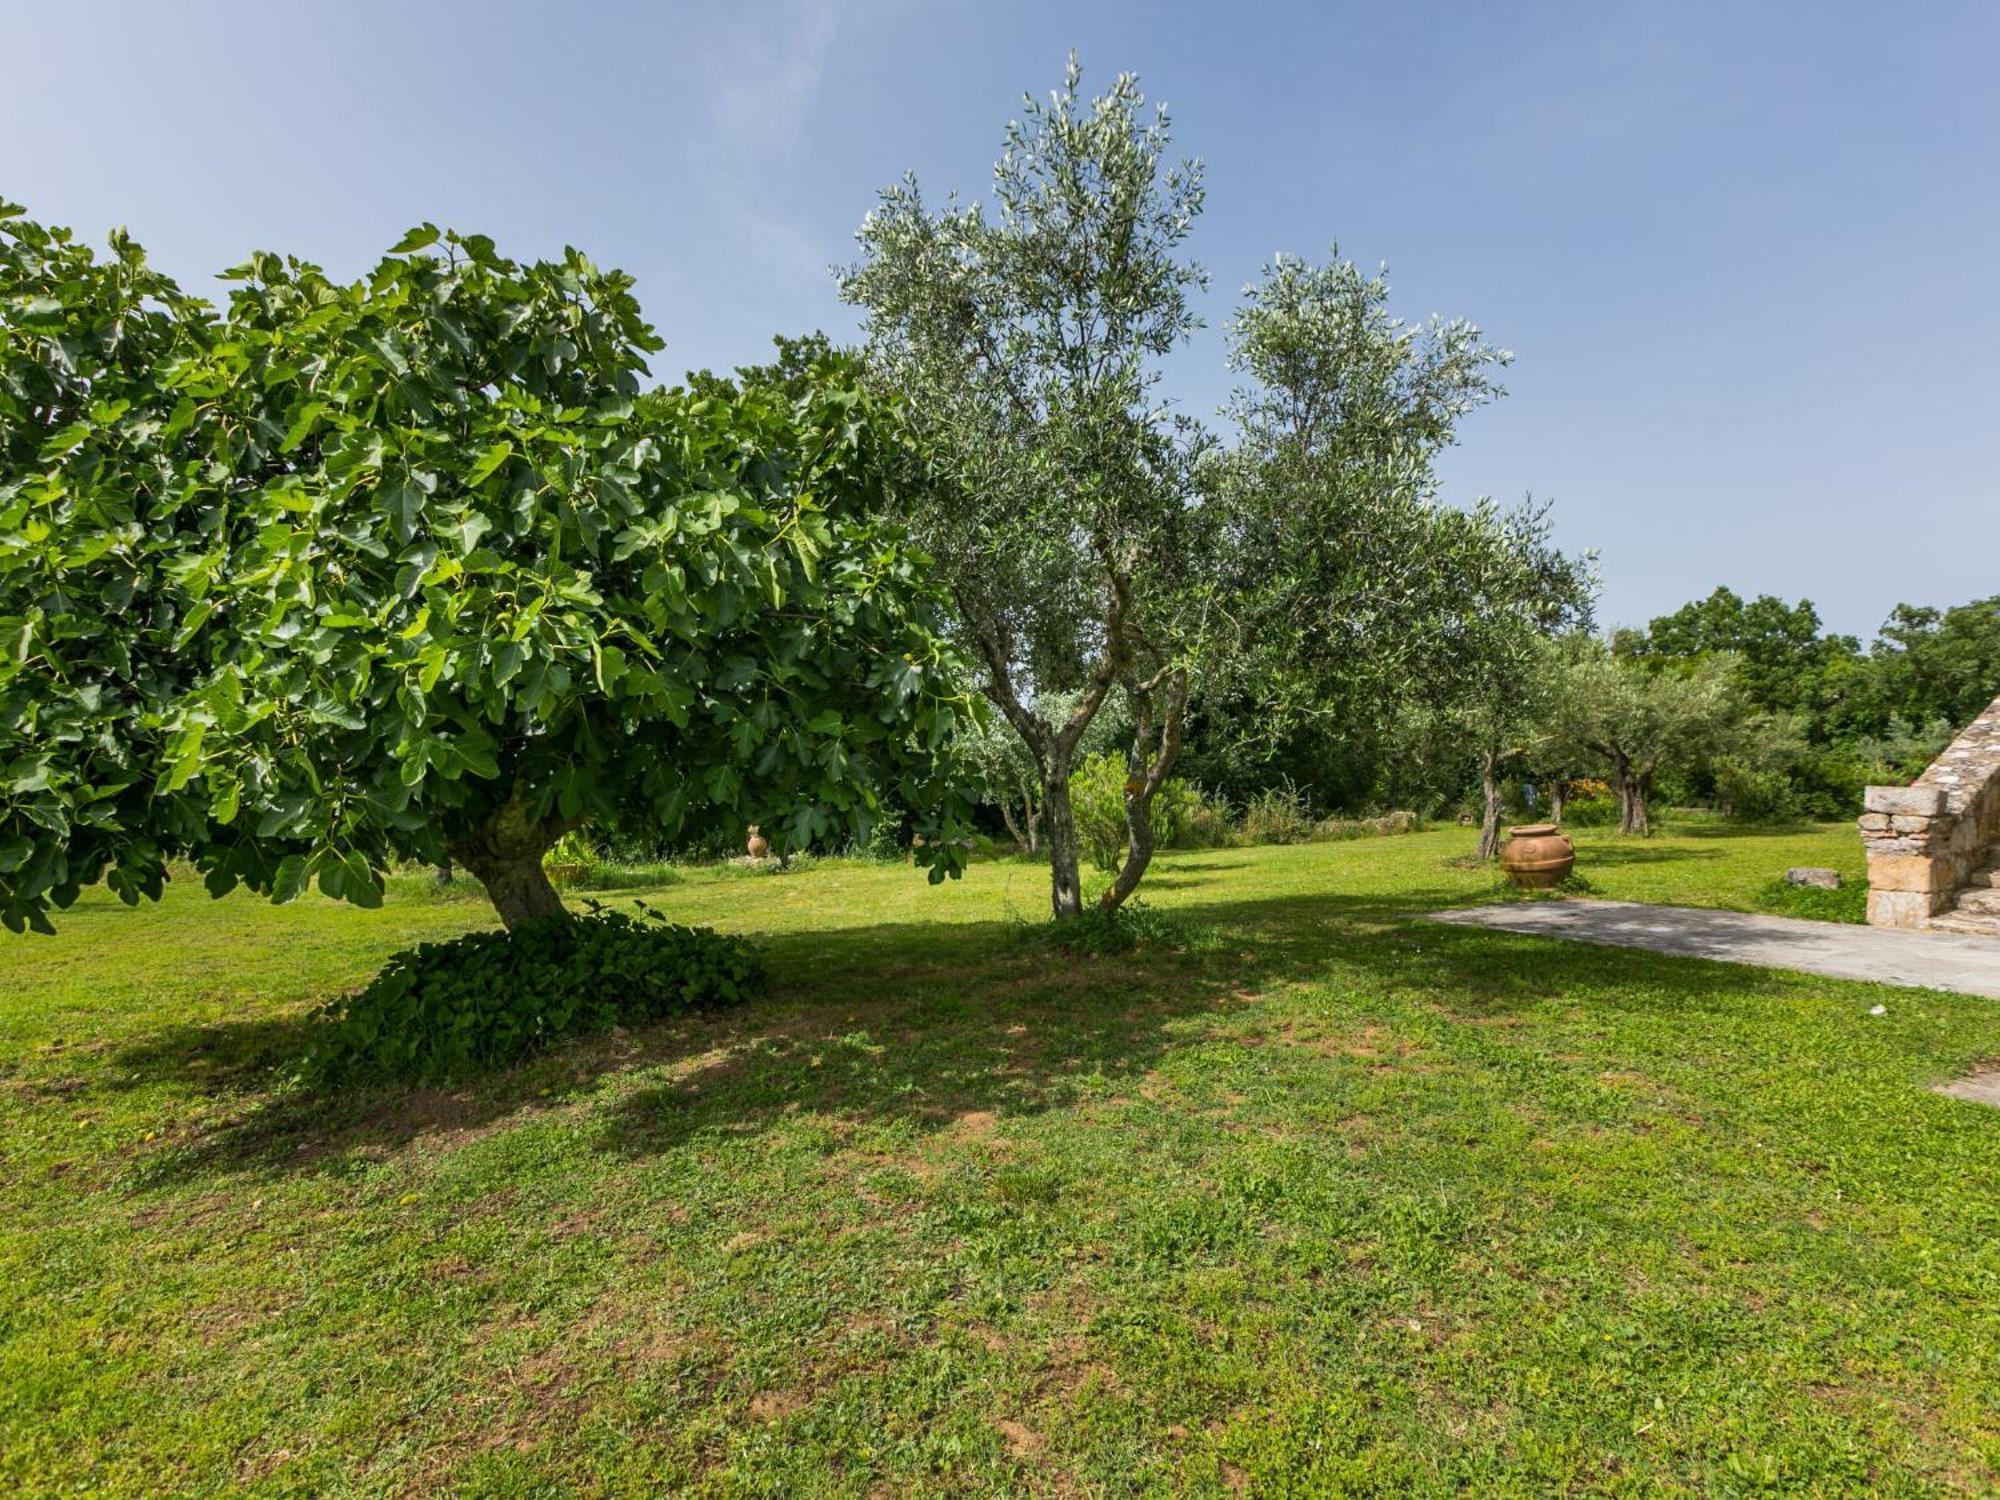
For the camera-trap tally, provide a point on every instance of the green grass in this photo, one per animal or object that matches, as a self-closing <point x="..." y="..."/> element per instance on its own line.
<point x="1300" y="1195"/>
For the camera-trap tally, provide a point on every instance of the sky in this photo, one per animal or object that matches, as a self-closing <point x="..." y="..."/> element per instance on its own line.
<point x="1746" y="255"/>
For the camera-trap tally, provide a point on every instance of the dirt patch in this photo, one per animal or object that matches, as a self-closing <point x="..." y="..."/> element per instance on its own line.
<point x="775" y="1406"/>
<point x="976" y="1122"/>
<point x="1370" y="1043"/>
<point x="1022" y="1442"/>
<point x="654" y="1346"/>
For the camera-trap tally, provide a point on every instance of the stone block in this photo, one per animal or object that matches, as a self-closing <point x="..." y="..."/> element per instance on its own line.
<point x="1910" y="823"/>
<point x="1813" y="875"/>
<point x="1874" y="822"/>
<point x="1919" y="801"/>
<point x="1898" y="908"/>
<point x="1907" y="872"/>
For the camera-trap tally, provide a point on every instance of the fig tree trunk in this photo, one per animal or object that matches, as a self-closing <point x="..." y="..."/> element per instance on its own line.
<point x="518" y="887"/>
<point x="505" y="855"/>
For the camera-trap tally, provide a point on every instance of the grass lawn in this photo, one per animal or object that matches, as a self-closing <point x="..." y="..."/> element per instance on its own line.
<point x="1323" y="1201"/>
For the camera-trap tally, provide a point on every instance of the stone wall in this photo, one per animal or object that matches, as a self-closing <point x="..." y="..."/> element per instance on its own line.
<point x="1925" y="840"/>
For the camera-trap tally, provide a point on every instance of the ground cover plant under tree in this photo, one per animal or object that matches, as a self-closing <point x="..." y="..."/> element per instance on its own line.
<point x="443" y="1011"/>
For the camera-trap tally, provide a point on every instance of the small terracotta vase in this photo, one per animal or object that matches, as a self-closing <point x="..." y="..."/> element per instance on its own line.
<point x="1537" y="856"/>
<point x="759" y="846"/>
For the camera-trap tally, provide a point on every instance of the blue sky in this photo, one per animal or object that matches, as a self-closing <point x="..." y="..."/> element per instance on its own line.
<point x="1747" y="255"/>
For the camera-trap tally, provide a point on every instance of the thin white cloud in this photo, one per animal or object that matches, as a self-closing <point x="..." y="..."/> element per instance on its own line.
<point x="763" y="80"/>
<point x="760" y="80"/>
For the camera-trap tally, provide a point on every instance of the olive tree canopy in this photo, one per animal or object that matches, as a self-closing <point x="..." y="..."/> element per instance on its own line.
<point x="1636" y="719"/>
<point x="1094" y="541"/>
<point x="1058" y="499"/>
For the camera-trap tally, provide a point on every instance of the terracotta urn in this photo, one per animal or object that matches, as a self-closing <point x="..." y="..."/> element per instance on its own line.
<point x="1537" y="856"/>
<point x="759" y="846"/>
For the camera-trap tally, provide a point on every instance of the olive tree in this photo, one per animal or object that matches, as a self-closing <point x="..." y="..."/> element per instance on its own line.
<point x="1361" y="600"/>
<point x="419" y="567"/>
<point x="1058" y="494"/>
<point x="1638" y="718"/>
<point x="1507" y="715"/>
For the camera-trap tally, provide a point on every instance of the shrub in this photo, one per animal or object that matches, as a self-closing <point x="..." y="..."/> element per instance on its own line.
<point x="1334" y="829"/>
<point x="885" y="838"/>
<point x="1098" y="932"/>
<point x="1755" y="793"/>
<point x="1182" y="818"/>
<point x="489" y="998"/>
<point x="1278" y="815"/>
<point x="1590" y="812"/>
<point x="1097" y="801"/>
<point x="1205" y="825"/>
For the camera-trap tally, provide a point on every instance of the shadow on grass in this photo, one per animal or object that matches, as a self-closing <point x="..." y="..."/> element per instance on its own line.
<point x="1638" y="852"/>
<point x="918" y="1023"/>
<point x="1740" y="830"/>
<point x="221" y="1059"/>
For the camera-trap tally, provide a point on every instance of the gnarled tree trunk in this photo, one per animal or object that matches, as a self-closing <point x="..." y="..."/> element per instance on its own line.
<point x="1065" y="886"/>
<point x="1013" y="828"/>
<point x="1631" y="789"/>
<point x="1489" y="816"/>
<point x="1026" y="833"/>
<point x="1156" y="745"/>
<point x="505" y="856"/>
<point x="1054" y="747"/>
<point x="1630" y="783"/>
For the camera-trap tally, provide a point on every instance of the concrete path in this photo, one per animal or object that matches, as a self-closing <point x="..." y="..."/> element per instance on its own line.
<point x="1918" y="960"/>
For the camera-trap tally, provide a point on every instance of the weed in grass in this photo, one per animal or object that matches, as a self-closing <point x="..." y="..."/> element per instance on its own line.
<point x="1135" y="925"/>
<point x="1847" y="903"/>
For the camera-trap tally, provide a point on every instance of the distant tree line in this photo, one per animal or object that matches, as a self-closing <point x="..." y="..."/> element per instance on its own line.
<point x="1748" y="706"/>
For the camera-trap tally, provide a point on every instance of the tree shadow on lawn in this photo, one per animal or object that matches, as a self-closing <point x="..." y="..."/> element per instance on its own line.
<point x="219" y="1059"/>
<point x="1637" y="853"/>
<point x="918" y="1023"/>
<point x="1743" y="830"/>
<point x="1018" y="1039"/>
